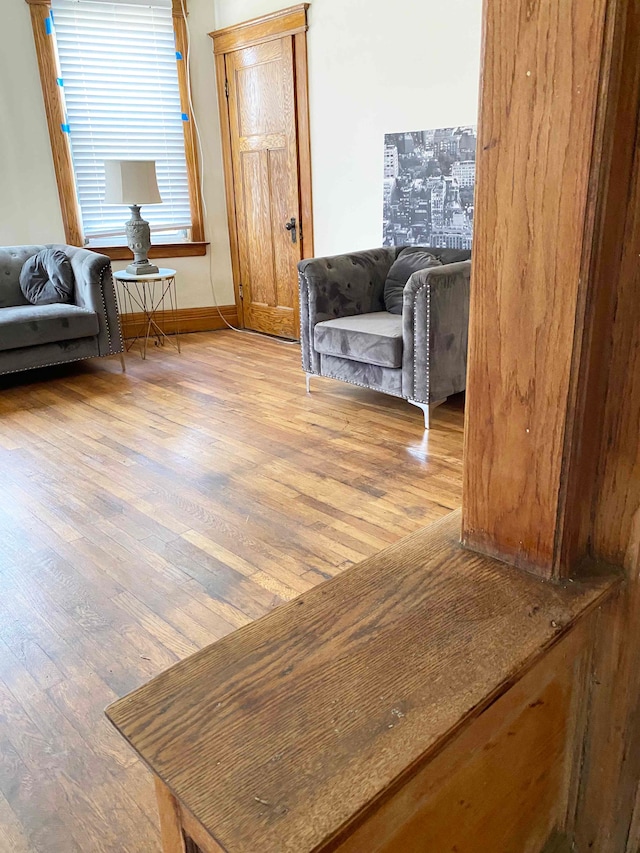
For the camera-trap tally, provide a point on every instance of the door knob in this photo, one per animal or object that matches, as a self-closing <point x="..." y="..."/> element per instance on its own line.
<point x="291" y="227"/>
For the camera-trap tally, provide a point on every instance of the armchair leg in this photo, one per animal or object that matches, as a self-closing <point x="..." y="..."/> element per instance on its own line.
<point x="308" y="378"/>
<point x="425" y="411"/>
<point x="122" y="363"/>
<point x="427" y="408"/>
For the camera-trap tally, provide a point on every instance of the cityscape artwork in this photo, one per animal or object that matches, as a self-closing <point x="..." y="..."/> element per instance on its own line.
<point x="429" y="179"/>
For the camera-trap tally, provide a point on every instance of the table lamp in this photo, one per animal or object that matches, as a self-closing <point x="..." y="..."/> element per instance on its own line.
<point x="133" y="182"/>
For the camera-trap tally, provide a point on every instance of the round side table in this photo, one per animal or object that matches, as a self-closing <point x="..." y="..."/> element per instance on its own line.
<point x="149" y="294"/>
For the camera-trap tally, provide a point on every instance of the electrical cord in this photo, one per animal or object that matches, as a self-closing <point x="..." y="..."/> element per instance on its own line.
<point x="193" y="116"/>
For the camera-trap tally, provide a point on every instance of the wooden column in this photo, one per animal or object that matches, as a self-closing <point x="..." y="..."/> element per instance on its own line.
<point x="546" y="157"/>
<point x="552" y="457"/>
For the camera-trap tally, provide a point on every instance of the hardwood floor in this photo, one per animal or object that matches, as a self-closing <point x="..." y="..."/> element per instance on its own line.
<point x="145" y="515"/>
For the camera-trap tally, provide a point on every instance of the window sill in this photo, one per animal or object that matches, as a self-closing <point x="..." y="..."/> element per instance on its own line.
<point x="160" y="250"/>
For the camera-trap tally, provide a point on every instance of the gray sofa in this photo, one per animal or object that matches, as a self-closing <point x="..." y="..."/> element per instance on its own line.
<point x="41" y="335"/>
<point x="346" y="333"/>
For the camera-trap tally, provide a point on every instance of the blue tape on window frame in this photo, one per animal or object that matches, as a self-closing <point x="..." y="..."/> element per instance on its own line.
<point x="185" y="117"/>
<point x="178" y="55"/>
<point x="48" y="24"/>
<point x="59" y="81"/>
<point x="65" y="128"/>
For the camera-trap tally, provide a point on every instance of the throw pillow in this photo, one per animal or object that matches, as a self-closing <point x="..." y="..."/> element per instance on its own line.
<point x="47" y="277"/>
<point x="410" y="260"/>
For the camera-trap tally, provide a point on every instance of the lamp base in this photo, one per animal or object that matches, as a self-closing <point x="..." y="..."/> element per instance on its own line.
<point x="142" y="269"/>
<point x="139" y="241"/>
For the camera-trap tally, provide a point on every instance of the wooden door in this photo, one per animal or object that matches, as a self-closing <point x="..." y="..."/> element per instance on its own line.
<point x="262" y="124"/>
<point x="261" y="71"/>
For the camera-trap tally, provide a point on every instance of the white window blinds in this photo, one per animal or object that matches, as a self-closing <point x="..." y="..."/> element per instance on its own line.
<point x="120" y="83"/>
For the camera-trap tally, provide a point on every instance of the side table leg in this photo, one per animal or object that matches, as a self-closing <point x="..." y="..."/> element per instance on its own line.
<point x="122" y="363"/>
<point x="170" y="828"/>
<point x="148" y="315"/>
<point x="173" y="301"/>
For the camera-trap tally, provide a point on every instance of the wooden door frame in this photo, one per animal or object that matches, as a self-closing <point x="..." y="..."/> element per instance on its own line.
<point x="276" y="25"/>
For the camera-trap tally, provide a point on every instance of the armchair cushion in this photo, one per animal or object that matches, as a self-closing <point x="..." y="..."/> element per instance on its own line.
<point x="44" y="324"/>
<point x="371" y="338"/>
<point x="388" y="380"/>
<point x="339" y="286"/>
<point x="409" y="260"/>
<point x="47" y="277"/>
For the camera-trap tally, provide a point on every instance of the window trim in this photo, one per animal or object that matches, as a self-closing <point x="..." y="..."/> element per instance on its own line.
<point x="61" y="148"/>
<point x="178" y="9"/>
<point x="183" y="249"/>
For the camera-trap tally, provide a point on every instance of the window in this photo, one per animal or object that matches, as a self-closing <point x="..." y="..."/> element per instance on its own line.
<point x="120" y="86"/>
<point x="120" y="89"/>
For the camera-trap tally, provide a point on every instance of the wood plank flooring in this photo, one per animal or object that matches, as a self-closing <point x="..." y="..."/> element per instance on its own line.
<point x="145" y="515"/>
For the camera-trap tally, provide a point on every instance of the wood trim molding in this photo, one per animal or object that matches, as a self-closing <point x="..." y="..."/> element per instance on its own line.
<point x="274" y="25"/>
<point x="227" y="163"/>
<point x="610" y="367"/>
<point x="188" y="320"/>
<point x="162" y="250"/>
<point x="633" y="844"/>
<point x="608" y="200"/>
<point x="304" y="141"/>
<point x="54" y="109"/>
<point x="203" y="842"/>
<point x="558" y="842"/>
<point x="190" y="140"/>
<point x="168" y="813"/>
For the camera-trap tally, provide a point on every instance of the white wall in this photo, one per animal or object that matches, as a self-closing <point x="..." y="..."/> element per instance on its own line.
<point x="196" y="276"/>
<point x="375" y="67"/>
<point x="29" y="207"/>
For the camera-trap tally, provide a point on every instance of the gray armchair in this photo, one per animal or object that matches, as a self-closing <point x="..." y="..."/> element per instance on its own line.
<point x="42" y="335"/>
<point x="347" y="334"/>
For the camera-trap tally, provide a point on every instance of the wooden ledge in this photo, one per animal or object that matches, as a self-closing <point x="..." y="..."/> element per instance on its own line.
<point x="284" y="733"/>
<point x="159" y="250"/>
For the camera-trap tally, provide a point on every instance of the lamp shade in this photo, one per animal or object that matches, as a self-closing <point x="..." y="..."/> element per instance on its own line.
<point x="131" y="182"/>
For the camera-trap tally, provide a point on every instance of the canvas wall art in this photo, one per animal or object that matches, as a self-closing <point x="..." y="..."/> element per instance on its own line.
<point x="429" y="180"/>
